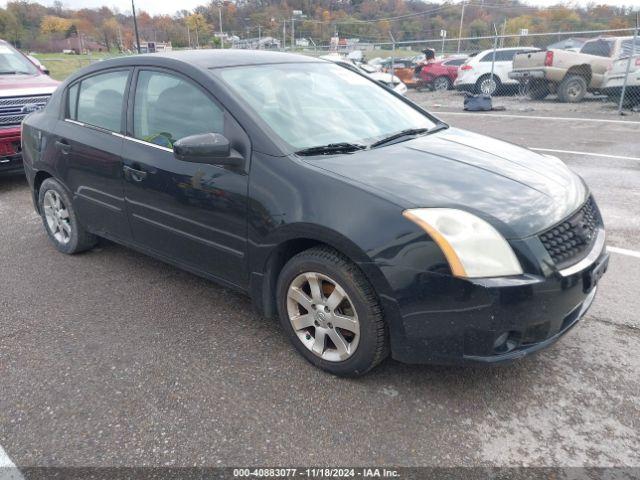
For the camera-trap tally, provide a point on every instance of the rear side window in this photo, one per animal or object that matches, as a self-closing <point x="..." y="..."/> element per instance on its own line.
<point x="168" y="108"/>
<point x="501" y="56"/>
<point x="97" y="100"/>
<point x="599" y="48"/>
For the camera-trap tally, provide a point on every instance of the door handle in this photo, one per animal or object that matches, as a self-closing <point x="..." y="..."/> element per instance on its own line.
<point x="133" y="174"/>
<point x="63" y="146"/>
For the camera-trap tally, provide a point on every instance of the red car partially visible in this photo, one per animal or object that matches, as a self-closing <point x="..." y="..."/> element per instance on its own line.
<point x="439" y="74"/>
<point x="24" y="88"/>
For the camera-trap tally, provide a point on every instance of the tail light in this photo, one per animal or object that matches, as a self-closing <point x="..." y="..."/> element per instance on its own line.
<point x="638" y="62"/>
<point x="548" y="59"/>
<point x="466" y="67"/>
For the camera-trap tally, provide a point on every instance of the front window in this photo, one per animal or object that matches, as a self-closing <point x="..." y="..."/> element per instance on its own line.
<point x="168" y="108"/>
<point x="13" y="62"/>
<point x="310" y="104"/>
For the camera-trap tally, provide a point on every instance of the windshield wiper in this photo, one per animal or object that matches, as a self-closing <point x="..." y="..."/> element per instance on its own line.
<point x="342" y="147"/>
<point x="14" y="72"/>
<point x="409" y="132"/>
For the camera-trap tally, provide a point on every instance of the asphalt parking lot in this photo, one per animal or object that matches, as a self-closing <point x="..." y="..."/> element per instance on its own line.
<point x="111" y="358"/>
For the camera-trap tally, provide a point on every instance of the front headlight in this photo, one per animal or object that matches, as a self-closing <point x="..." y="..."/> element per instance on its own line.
<point x="472" y="247"/>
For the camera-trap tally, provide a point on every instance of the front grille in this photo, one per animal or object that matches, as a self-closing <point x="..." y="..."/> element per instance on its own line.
<point x="569" y="241"/>
<point x="13" y="110"/>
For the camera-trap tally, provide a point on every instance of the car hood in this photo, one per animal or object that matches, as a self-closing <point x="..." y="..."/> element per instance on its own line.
<point x="14" y="85"/>
<point x="520" y="192"/>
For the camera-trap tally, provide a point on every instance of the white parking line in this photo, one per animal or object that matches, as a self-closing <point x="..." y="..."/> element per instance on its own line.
<point x="573" y="152"/>
<point x="624" y="251"/>
<point x="504" y="115"/>
<point x="8" y="469"/>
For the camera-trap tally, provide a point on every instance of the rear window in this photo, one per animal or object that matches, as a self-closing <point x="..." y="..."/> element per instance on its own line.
<point x="599" y="48"/>
<point x="456" y="62"/>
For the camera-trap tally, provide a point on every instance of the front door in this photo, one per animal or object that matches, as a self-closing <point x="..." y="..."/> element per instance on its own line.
<point x="89" y="147"/>
<point x="192" y="213"/>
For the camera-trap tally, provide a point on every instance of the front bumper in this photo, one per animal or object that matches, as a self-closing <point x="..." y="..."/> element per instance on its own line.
<point x="10" y="154"/>
<point x="490" y="321"/>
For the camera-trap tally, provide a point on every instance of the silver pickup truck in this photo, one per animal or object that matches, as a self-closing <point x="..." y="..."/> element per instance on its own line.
<point x="569" y="74"/>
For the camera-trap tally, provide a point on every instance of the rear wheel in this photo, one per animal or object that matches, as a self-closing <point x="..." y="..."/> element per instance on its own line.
<point x="330" y="313"/>
<point x="60" y="220"/>
<point x="487" y="86"/>
<point x="441" y="83"/>
<point x="572" y="89"/>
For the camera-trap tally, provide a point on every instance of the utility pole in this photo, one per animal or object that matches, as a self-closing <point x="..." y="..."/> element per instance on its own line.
<point x="460" y="30"/>
<point x="135" y="25"/>
<point x="284" y="35"/>
<point x="220" y="18"/>
<point x="259" y="37"/>
<point x="188" y="35"/>
<point x="393" y="55"/>
<point x="293" y="34"/>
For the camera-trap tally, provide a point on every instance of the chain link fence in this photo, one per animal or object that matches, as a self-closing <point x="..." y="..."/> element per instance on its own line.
<point x="588" y="66"/>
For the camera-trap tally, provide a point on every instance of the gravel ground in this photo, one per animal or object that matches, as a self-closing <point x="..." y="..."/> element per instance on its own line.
<point x="591" y="107"/>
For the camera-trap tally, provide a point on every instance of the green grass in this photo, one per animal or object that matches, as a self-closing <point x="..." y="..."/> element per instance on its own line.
<point x="61" y="65"/>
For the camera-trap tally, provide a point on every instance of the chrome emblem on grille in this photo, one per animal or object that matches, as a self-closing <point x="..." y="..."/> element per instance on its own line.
<point x="31" y="107"/>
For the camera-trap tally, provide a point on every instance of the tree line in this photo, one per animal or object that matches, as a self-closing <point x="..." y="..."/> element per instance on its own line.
<point x="36" y="27"/>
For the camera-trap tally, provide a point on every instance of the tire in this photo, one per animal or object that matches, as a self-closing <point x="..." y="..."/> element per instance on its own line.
<point x="572" y="89"/>
<point x="538" y="90"/>
<point x="441" y="84"/>
<point x="483" y="83"/>
<point x="60" y="220"/>
<point x="363" y="347"/>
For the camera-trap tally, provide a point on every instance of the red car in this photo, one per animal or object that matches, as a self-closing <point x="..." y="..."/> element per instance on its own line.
<point x="439" y="75"/>
<point x="24" y="88"/>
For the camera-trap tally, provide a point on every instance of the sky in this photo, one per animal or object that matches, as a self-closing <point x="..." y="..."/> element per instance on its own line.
<point x="170" y="7"/>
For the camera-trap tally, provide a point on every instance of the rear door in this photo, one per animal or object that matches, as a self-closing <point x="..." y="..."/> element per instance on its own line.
<point x="597" y="54"/>
<point x="88" y="144"/>
<point x="191" y="213"/>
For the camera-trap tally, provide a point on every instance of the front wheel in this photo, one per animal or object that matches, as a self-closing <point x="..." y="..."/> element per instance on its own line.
<point x="331" y="313"/>
<point x="60" y="221"/>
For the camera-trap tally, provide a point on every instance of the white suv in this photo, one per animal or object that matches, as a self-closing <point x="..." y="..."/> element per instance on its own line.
<point x="475" y="74"/>
<point x="614" y="80"/>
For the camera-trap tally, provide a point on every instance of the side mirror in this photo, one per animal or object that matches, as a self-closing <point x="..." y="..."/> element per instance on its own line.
<point x="212" y="148"/>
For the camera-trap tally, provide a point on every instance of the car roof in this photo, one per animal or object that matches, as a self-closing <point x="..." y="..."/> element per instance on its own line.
<point x="209" y="58"/>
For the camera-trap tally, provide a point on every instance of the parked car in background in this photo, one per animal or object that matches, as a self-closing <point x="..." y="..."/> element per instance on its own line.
<point x="367" y="225"/>
<point x="385" y="79"/>
<point x="24" y="88"/>
<point x="403" y="68"/>
<point x="615" y="76"/>
<point x="568" y="73"/>
<point x="474" y="75"/>
<point x="440" y="74"/>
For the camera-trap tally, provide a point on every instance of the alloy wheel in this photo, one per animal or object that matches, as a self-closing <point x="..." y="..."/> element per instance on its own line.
<point x="57" y="217"/>
<point x="323" y="316"/>
<point x="488" y="86"/>
<point x="440" y="83"/>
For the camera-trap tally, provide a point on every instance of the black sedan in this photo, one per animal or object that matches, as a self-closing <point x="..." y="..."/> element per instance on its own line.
<point x="367" y="225"/>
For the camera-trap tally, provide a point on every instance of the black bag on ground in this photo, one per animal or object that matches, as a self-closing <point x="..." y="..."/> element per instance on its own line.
<point x="478" y="103"/>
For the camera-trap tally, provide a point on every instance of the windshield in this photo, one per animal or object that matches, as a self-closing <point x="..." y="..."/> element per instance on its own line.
<point x="12" y="62"/>
<point x="311" y="104"/>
